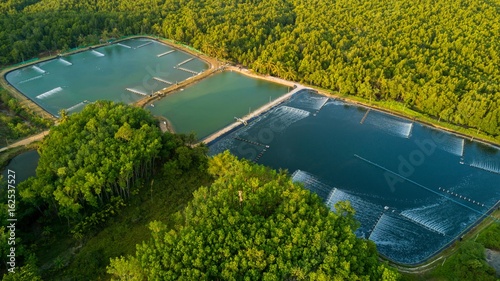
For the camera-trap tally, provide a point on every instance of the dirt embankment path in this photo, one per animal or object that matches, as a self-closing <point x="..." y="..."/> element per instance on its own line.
<point x="214" y="64"/>
<point x="26" y="141"/>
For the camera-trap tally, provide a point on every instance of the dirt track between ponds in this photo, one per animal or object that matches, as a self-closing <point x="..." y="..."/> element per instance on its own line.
<point x="26" y="141"/>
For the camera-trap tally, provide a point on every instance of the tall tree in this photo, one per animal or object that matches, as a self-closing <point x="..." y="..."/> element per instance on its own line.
<point x="93" y="156"/>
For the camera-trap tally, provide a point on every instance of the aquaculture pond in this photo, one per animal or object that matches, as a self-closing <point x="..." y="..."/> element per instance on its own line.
<point x="415" y="189"/>
<point x="121" y="72"/>
<point x="214" y="102"/>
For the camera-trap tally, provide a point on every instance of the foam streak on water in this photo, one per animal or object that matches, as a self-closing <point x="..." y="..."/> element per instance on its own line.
<point x="397" y="236"/>
<point x="31" y="79"/>
<point x="125" y="46"/>
<point x="65" y="62"/>
<point x="451" y="144"/>
<point x="308" y="102"/>
<point x="276" y="120"/>
<point x="336" y="102"/>
<point x="429" y="218"/>
<point x="390" y="125"/>
<point x="367" y="212"/>
<point x="76" y="106"/>
<point x="38" y="69"/>
<point x="96" y="53"/>
<point x="135" y="91"/>
<point x="315" y="103"/>
<point x="489" y="166"/>
<point x="143" y="45"/>
<point x="49" y="93"/>
<point x="312" y="183"/>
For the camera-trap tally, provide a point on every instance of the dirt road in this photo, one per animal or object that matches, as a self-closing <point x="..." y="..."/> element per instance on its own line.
<point x="26" y="141"/>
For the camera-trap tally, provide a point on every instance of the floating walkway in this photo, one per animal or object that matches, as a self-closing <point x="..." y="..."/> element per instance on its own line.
<point x="166" y="53"/>
<point x="260" y="155"/>
<point x="461" y="196"/>
<point x="251" y="142"/>
<point x="143" y="45"/>
<point x="163" y="81"/>
<point x="49" y="93"/>
<point x="38" y="69"/>
<point x="97" y="53"/>
<point x="184" y="62"/>
<point x="136" y="92"/>
<point x="65" y="62"/>
<point x="188" y="70"/>
<point x="253" y="114"/>
<point x="123" y="45"/>
<point x="364" y="117"/>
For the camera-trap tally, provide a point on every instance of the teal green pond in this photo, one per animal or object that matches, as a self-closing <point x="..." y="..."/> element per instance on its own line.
<point x="212" y="104"/>
<point x="120" y="72"/>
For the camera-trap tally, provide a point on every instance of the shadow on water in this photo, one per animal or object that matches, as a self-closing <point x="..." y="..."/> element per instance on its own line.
<point x="24" y="166"/>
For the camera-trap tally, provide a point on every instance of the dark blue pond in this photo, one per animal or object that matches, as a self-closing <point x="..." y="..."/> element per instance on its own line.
<point x="415" y="189"/>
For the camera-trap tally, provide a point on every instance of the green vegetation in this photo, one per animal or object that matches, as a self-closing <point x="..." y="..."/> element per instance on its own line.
<point x="413" y="53"/>
<point x="16" y="121"/>
<point x="467" y="264"/>
<point x="253" y="223"/>
<point x="92" y="157"/>
<point x="490" y="237"/>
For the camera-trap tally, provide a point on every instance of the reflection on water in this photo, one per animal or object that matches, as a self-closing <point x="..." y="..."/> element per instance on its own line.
<point x="214" y="102"/>
<point x="24" y="166"/>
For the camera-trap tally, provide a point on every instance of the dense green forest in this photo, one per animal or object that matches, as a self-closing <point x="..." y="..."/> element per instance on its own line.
<point x="92" y="157"/>
<point x="438" y="57"/>
<point x="16" y="121"/>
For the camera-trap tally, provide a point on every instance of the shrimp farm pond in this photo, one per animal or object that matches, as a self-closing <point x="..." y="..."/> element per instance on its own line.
<point x="415" y="189"/>
<point x="121" y="72"/>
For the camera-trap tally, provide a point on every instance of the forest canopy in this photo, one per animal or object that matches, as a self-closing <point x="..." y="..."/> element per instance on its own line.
<point x="253" y="223"/>
<point x="93" y="156"/>
<point x="437" y="57"/>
